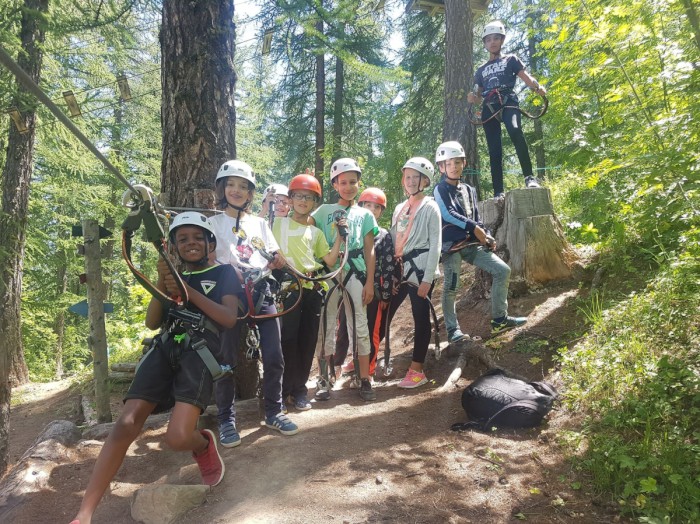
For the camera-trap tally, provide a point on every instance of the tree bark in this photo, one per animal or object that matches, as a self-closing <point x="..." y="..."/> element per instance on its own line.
<point x="320" y="148"/>
<point x="338" y="109"/>
<point x="16" y="177"/>
<point x="60" y="320"/>
<point x="198" y="79"/>
<point x="529" y="239"/>
<point x="538" y="143"/>
<point x="32" y="474"/>
<point x="459" y="73"/>
<point x="693" y="19"/>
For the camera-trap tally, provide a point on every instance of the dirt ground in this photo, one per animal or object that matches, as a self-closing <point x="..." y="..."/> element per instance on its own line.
<point x="393" y="460"/>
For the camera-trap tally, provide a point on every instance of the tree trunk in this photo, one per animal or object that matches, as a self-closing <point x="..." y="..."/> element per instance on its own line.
<point x="32" y="474"/>
<point x="60" y="320"/>
<point x="338" y="109"/>
<point x="529" y="238"/>
<point x="538" y="143"/>
<point x="693" y="19"/>
<point x="338" y="102"/>
<point x="198" y="115"/>
<point x="459" y="73"/>
<point x="16" y="177"/>
<point x="320" y="112"/>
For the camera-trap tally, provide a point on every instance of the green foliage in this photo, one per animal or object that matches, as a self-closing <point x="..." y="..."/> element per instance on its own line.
<point x="637" y="376"/>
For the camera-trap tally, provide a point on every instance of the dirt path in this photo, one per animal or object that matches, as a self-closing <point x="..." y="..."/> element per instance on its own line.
<point x="394" y="460"/>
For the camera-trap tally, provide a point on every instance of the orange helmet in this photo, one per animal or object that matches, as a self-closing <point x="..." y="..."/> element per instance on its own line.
<point x="307" y="182"/>
<point x="375" y="195"/>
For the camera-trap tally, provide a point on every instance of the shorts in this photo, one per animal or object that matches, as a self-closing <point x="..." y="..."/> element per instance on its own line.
<point x="169" y="374"/>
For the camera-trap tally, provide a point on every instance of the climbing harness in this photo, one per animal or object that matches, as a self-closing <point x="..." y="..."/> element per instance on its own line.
<point x="497" y="102"/>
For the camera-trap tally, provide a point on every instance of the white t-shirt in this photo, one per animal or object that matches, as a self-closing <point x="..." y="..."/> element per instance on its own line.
<point x="235" y="248"/>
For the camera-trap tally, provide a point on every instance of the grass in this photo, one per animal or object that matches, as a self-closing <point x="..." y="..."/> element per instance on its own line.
<point x="636" y="376"/>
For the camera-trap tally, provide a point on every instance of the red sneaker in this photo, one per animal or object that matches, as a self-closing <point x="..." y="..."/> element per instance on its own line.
<point x="211" y="466"/>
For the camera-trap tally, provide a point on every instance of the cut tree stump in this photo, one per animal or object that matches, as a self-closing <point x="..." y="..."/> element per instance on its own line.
<point x="529" y="238"/>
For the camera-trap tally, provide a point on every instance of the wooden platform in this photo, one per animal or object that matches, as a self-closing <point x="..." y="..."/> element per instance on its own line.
<point x="433" y="7"/>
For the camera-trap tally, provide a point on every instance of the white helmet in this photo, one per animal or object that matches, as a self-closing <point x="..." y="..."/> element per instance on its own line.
<point x="342" y="165"/>
<point x="191" y="218"/>
<point x="277" y="189"/>
<point x="495" y="27"/>
<point x="236" y="168"/>
<point x="449" y="150"/>
<point x="422" y="165"/>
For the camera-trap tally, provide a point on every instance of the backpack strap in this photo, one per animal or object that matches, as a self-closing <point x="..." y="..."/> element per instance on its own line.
<point x="517" y="404"/>
<point x="543" y="387"/>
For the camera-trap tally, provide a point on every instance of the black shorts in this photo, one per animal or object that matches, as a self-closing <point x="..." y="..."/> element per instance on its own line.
<point x="170" y="374"/>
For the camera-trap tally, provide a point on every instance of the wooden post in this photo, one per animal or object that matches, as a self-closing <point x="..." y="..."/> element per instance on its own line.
<point x="97" y="341"/>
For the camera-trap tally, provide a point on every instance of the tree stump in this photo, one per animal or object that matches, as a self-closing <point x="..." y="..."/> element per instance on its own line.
<point x="529" y="238"/>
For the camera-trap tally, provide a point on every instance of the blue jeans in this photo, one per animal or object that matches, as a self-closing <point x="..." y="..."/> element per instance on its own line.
<point x="483" y="259"/>
<point x="273" y="367"/>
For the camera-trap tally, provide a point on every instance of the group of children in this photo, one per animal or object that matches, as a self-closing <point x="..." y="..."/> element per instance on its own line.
<point x="381" y="269"/>
<point x="197" y="343"/>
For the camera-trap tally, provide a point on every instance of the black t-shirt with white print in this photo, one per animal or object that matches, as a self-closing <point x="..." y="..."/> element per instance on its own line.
<point x="500" y="74"/>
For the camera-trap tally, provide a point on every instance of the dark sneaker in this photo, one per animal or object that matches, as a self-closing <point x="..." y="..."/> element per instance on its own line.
<point x="366" y="391"/>
<point x="281" y="423"/>
<point x="456" y="336"/>
<point x="228" y="436"/>
<point x="301" y="403"/>
<point x="323" y="389"/>
<point x="504" y="324"/>
<point x="209" y="461"/>
<point x="531" y="182"/>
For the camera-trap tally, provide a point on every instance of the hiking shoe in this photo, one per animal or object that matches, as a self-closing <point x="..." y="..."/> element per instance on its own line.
<point x="456" y="336"/>
<point x="500" y="325"/>
<point x="209" y="461"/>
<point x="228" y="436"/>
<point x="281" y="423"/>
<point x="531" y="182"/>
<point x="323" y="389"/>
<point x="301" y="403"/>
<point x="413" y="379"/>
<point x="366" y="391"/>
<point x="349" y="368"/>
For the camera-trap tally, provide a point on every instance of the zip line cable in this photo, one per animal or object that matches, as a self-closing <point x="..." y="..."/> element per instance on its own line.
<point x="24" y="79"/>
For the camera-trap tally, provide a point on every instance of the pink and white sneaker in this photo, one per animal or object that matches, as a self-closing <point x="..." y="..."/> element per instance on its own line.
<point x="413" y="379"/>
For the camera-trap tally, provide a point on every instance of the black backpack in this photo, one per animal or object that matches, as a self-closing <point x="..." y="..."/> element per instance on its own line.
<point x="495" y="399"/>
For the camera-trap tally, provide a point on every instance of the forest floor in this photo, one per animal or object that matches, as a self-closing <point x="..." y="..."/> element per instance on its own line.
<point x="393" y="460"/>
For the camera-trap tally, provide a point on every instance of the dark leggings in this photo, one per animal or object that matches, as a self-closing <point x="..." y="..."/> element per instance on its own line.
<point x="299" y="335"/>
<point x="421" y="318"/>
<point x="512" y="120"/>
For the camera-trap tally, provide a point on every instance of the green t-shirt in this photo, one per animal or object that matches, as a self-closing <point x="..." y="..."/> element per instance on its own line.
<point x="303" y="245"/>
<point x="360" y="222"/>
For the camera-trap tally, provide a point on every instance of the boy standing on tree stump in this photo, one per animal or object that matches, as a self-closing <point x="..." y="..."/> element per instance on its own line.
<point x="495" y="81"/>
